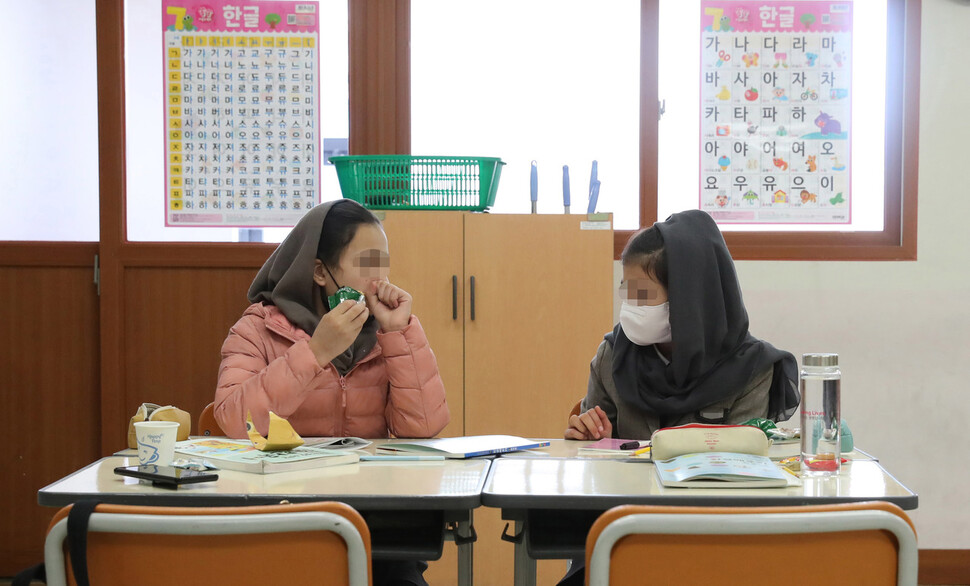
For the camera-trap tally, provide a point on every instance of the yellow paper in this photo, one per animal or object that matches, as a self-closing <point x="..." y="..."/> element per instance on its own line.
<point x="281" y="434"/>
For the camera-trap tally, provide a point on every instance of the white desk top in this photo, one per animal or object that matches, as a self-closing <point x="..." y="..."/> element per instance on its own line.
<point x="547" y="478"/>
<point x="559" y="483"/>
<point x="444" y="485"/>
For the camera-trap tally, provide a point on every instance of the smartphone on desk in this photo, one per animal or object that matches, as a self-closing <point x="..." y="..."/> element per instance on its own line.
<point x="166" y="476"/>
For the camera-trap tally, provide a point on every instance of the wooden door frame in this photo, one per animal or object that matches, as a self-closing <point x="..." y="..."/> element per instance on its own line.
<point x="111" y="173"/>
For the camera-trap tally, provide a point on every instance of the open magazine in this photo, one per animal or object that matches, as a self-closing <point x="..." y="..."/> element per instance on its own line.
<point x="722" y="470"/>
<point x="241" y="455"/>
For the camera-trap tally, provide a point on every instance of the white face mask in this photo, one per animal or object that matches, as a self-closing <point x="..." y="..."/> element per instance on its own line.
<point x="646" y="324"/>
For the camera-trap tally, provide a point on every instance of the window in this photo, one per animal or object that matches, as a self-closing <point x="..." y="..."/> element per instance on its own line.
<point x="144" y="109"/>
<point x="554" y="81"/>
<point x="679" y="125"/>
<point x="50" y="105"/>
<point x="890" y="232"/>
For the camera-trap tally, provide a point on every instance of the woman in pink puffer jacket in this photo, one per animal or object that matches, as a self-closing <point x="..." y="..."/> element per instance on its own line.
<point x="360" y="369"/>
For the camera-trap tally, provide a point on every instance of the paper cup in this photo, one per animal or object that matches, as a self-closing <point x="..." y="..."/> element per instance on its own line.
<point x="156" y="442"/>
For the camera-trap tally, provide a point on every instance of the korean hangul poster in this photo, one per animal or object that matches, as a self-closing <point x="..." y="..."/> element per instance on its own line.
<point x="242" y="112"/>
<point x="776" y="104"/>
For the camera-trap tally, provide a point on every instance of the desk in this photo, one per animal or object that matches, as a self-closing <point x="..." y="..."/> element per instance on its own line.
<point x="407" y="505"/>
<point x="554" y="499"/>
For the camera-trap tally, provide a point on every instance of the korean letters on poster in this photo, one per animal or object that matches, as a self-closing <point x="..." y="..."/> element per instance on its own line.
<point x="242" y="113"/>
<point x="775" y="111"/>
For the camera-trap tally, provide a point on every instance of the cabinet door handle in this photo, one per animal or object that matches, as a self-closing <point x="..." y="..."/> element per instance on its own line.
<point x="454" y="297"/>
<point x="472" y="297"/>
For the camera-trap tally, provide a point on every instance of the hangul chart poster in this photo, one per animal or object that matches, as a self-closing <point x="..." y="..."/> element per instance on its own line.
<point x="242" y="112"/>
<point x="776" y="111"/>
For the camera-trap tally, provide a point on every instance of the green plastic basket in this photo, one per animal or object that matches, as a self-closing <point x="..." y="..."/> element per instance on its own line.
<point x="405" y="182"/>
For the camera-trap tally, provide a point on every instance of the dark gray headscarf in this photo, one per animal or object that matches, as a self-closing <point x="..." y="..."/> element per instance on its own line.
<point x="286" y="281"/>
<point x="713" y="355"/>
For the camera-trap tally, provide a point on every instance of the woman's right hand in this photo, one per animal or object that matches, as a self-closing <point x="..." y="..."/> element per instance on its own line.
<point x="593" y="424"/>
<point x="337" y="330"/>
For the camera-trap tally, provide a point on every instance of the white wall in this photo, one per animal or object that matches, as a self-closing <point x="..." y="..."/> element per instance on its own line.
<point x="901" y="328"/>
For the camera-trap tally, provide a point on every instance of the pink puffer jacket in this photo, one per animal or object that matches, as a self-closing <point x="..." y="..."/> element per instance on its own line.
<point x="267" y="365"/>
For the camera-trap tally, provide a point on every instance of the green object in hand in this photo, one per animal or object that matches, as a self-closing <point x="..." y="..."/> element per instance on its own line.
<point x="763" y="424"/>
<point x="343" y="294"/>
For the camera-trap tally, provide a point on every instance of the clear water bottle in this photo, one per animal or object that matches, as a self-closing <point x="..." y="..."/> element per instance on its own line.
<point x="821" y="383"/>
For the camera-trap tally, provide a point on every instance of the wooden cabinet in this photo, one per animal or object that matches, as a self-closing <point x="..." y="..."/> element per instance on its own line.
<point x="514" y="307"/>
<point x="427" y="256"/>
<point x="543" y="286"/>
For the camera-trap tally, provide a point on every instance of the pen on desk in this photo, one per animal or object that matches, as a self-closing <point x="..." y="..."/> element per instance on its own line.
<point x="565" y="187"/>
<point x="641" y="451"/>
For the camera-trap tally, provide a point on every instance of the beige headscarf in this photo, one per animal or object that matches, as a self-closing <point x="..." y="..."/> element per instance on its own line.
<point x="286" y="281"/>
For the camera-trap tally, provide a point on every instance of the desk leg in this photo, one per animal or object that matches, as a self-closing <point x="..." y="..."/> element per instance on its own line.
<point x="463" y="532"/>
<point x="525" y="567"/>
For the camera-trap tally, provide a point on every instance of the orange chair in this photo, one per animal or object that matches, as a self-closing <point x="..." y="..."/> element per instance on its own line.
<point x="851" y="543"/>
<point x="308" y="543"/>
<point x="576" y="408"/>
<point x="207" y="422"/>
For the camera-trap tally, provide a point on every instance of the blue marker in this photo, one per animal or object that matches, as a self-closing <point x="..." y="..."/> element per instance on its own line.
<point x="534" y="185"/>
<point x="565" y="187"/>
<point x="594" y="193"/>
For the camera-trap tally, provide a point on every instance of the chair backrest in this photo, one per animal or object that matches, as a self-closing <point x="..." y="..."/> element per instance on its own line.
<point x="319" y="543"/>
<point x="850" y="543"/>
<point x="207" y="422"/>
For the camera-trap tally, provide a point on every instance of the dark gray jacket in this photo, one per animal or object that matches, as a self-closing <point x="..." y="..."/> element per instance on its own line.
<point x="629" y="422"/>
